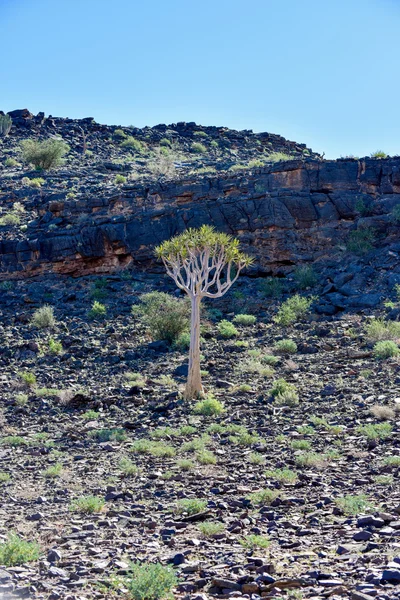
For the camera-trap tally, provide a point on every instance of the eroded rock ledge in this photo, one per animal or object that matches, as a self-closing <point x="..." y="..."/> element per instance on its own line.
<point x="289" y="213"/>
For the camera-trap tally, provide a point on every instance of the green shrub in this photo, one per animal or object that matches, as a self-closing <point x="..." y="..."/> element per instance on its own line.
<point x="280" y="386"/>
<point x="287" y="398"/>
<point x="380" y="431"/>
<point x="53" y="471"/>
<point x="43" y="318"/>
<point x="191" y="506"/>
<point x="210" y="528"/>
<point x="98" y="310"/>
<point x="353" y="505"/>
<point x="245" y="319"/>
<point x="127" y="467"/>
<point x="378" y="154"/>
<point x="36" y="182"/>
<point x="292" y="309"/>
<point x="11" y="162"/>
<point x="87" y="504"/>
<point x="278" y="157"/>
<point x="208" y="407"/>
<point x="5" y="124"/>
<point x="285" y="347"/>
<point x="14" y="441"/>
<point x="55" y="347"/>
<point x="165" y="142"/>
<point x="183" y="341"/>
<point x="380" y="330"/>
<point x="4" y="477"/>
<point x="28" y="378"/>
<point x="282" y="475"/>
<point x="120" y="134"/>
<point x="198" y="148"/>
<point x="47" y="154"/>
<point x="263" y="497"/>
<point x="253" y="540"/>
<point x="16" y="551"/>
<point x="386" y="349"/>
<point x="305" y="277"/>
<point x="130" y="143"/>
<point x="226" y="329"/>
<point x="119" y="179"/>
<point x="146" y="581"/>
<point x="360" y="241"/>
<point x="166" y="317"/>
<point x="108" y="435"/>
<point x="205" y="457"/>
<point x="9" y="219"/>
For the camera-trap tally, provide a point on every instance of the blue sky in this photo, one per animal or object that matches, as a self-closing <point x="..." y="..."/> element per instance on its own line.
<point x="323" y="72"/>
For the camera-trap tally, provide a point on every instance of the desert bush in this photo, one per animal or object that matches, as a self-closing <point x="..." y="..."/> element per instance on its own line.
<point x="47" y="154"/>
<point x="5" y="124"/>
<point x="292" y="309"/>
<point x="53" y="472"/>
<point x="28" y="378"/>
<point x="383" y="413"/>
<point x="208" y="407"/>
<point x="305" y="277"/>
<point x="210" y="528"/>
<point x="282" y="475"/>
<point x="119" y="179"/>
<point x="183" y="341"/>
<point x="198" y="148"/>
<point x="11" y="162"/>
<point x="378" y="154"/>
<point x="98" y="310"/>
<point x="353" y="505"/>
<point x="107" y="435"/>
<point x="166" y="317"/>
<point x="281" y="386"/>
<point x="226" y="329"/>
<point x="191" y="506"/>
<point x="380" y="330"/>
<point x="254" y="540"/>
<point x="285" y="347"/>
<point x="16" y="551"/>
<point x="272" y="287"/>
<point x="386" y="349"/>
<point x="43" y="317"/>
<point x="287" y="398"/>
<point x="263" y="497"/>
<point x="360" y="241"/>
<point x="127" y="467"/>
<point x="130" y="143"/>
<point x="87" y="504"/>
<point x="278" y="157"/>
<point x="120" y="134"/>
<point x="10" y="219"/>
<point x="380" y="431"/>
<point x="55" y="347"/>
<point x="145" y="581"/>
<point x="244" y="319"/>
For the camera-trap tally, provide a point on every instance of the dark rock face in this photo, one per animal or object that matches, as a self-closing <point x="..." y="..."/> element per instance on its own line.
<point x="289" y="213"/>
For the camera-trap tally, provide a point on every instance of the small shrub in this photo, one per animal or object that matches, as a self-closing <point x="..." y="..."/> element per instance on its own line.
<point x="361" y="241"/>
<point x="286" y="347"/>
<point x="166" y="317"/>
<point x="43" y="318"/>
<point x="185" y="464"/>
<point x="109" y="435"/>
<point x="191" y="506"/>
<point x="53" y="471"/>
<point x="9" y="219"/>
<point x="149" y="581"/>
<point x="378" y="154"/>
<point x="205" y="457"/>
<point x="311" y="459"/>
<point x="198" y="148"/>
<point x="395" y="214"/>
<point x="244" y="439"/>
<point x="282" y="475"/>
<point x="263" y="497"/>
<point x="5" y="124"/>
<point x="386" y="349"/>
<point x="127" y="467"/>
<point x="98" y="310"/>
<point x="380" y="431"/>
<point x="253" y="540"/>
<point x="380" y="330"/>
<point x="278" y="157"/>
<point x="55" y="347"/>
<point x="120" y="134"/>
<point x="119" y="179"/>
<point x="280" y="386"/>
<point x="47" y="154"/>
<point x="255" y="458"/>
<point x="210" y="528"/>
<point x="183" y="342"/>
<point x="36" y="182"/>
<point x="292" y="309"/>
<point x="392" y="461"/>
<point x="16" y="551"/>
<point x="287" y="398"/>
<point x="353" y="505"/>
<point x="383" y="413"/>
<point x="4" y="477"/>
<point x="305" y="277"/>
<point x="208" y="407"/>
<point x="130" y="143"/>
<point x="90" y="415"/>
<point x="11" y="162"/>
<point x="88" y="504"/>
<point x="300" y="445"/>
<point x="28" y="378"/>
<point x="245" y="320"/>
<point x="384" y="479"/>
<point x="165" y="142"/>
<point x="226" y="329"/>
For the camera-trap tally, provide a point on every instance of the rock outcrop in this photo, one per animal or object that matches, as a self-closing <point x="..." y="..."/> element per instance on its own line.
<point x="290" y="213"/>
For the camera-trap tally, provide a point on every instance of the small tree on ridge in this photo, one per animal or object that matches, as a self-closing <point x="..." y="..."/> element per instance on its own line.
<point x="205" y="264"/>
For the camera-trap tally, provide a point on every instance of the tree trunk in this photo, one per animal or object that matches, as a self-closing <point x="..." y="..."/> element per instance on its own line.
<point x="194" y="387"/>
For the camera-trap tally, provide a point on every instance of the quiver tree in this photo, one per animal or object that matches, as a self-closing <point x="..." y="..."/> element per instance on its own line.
<point x="205" y="264"/>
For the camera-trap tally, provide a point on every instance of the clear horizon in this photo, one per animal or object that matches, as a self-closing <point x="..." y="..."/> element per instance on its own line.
<point x="320" y="75"/>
